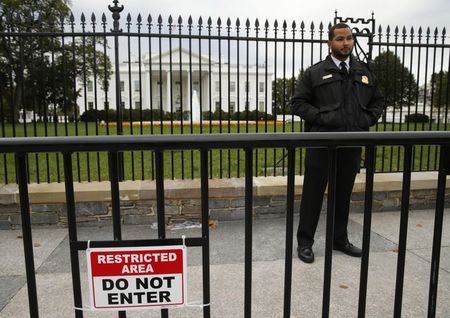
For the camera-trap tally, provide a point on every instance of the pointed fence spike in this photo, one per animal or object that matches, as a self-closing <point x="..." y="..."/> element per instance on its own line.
<point x="302" y="25"/>
<point x="312" y="26"/>
<point x="275" y="24"/>
<point x="83" y="18"/>
<point x="39" y="18"/>
<point x="209" y="21"/>
<point x="180" y="20"/>
<point x="93" y="18"/>
<point x="219" y="21"/>
<point x="190" y="20"/>
<point x="444" y="31"/>
<point x="149" y="19"/>
<point x="139" y="18"/>
<point x="238" y="22"/>
<point x="284" y="24"/>
<point x="247" y="23"/>
<point x="294" y="25"/>
<point x="200" y="21"/>
<point x="228" y="22"/>
<point x="257" y="23"/>
<point x="9" y="18"/>
<point x="412" y="31"/>
<point x="129" y="18"/>
<point x="266" y="24"/>
<point x="31" y="18"/>
<point x="18" y="18"/>
<point x="170" y="20"/>
<point x="321" y="26"/>
<point x="71" y="17"/>
<point x="104" y="18"/>
<point x="160" y="19"/>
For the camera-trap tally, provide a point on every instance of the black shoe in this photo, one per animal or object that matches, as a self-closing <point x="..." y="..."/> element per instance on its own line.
<point x="347" y="248"/>
<point x="306" y="254"/>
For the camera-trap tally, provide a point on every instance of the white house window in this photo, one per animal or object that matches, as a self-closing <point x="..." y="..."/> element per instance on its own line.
<point x="137" y="87"/>
<point x="217" y="86"/>
<point x="122" y="86"/>
<point x="261" y="106"/>
<point x="247" y="87"/>
<point x="122" y="103"/>
<point x="90" y="105"/>
<point x="217" y="106"/>
<point x="232" y="107"/>
<point x="232" y="87"/>
<point x="137" y="104"/>
<point x="90" y="86"/>
<point x="261" y="87"/>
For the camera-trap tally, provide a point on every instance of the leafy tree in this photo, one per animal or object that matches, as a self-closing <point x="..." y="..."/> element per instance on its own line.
<point x="282" y="92"/>
<point x="396" y="81"/>
<point x="441" y="89"/>
<point x="39" y="72"/>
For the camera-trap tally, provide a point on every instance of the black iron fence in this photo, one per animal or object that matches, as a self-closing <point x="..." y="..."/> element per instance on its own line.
<point x="163" y="145"/>
<point x="148" y="75"/>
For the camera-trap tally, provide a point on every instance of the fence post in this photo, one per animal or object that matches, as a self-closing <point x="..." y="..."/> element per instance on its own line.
<point x="116" y="9"/>
<point x="21" y="168"/>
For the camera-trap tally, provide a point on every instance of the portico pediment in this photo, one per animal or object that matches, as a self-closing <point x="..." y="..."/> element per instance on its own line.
<point x="166" y="56"/>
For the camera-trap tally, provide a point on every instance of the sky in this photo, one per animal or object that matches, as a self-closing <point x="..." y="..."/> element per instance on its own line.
<point x="409" y="13"/>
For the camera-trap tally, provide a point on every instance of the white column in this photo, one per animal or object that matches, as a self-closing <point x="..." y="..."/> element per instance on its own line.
<point x="188" y="92"/>
<point x="168" y="83"/>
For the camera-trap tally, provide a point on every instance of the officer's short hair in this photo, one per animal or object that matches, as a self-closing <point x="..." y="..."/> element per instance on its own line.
<point x="334" y="27"/>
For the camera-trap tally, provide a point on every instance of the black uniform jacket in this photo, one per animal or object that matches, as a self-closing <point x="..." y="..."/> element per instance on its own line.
<point x="330" y="100"/>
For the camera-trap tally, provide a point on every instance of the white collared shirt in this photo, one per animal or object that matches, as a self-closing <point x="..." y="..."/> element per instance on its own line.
<point x="338" y="62"/>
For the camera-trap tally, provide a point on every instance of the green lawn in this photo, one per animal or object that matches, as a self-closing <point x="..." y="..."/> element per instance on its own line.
<point x="182" y="164"/>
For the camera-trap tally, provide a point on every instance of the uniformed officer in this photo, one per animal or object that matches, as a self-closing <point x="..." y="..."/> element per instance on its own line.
<point x="337" y="94"/>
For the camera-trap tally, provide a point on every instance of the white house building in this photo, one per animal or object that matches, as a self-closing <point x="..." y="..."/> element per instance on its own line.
<point x="149" y="85"/>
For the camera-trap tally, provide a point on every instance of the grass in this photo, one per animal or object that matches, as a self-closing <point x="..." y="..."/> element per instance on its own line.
<point x="184" y="164"/>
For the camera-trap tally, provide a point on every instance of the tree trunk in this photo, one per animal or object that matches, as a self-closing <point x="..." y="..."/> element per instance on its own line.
<point x="18" y="95"/>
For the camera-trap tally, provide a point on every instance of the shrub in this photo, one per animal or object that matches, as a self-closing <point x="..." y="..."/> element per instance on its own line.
<point x="417" y="118"/>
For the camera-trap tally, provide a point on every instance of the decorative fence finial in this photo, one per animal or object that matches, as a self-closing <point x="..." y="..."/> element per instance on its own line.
<point x="116" y="9"/>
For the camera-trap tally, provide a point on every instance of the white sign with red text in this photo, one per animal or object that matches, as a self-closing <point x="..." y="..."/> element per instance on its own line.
<point x="137" y="277"/>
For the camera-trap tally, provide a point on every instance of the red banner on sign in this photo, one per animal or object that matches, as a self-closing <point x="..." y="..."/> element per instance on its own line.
<point x="123" y="263"/>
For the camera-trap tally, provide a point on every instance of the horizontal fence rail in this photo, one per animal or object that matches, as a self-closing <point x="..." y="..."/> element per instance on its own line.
<point x="154" y="75"/>
<point x="163" y="145"/>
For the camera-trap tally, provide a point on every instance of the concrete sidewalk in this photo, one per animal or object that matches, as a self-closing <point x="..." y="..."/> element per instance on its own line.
<point x="227" y="270"/>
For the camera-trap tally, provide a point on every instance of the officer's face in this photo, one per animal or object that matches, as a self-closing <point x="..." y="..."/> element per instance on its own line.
<point x="342" y="44"/>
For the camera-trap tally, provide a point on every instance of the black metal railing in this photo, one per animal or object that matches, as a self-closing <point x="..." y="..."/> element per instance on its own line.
<point x="163" y="145"/>
<point x="146" y="76"/>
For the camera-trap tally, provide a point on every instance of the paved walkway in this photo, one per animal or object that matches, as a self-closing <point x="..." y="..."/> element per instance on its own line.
<point x="227" y="270"/>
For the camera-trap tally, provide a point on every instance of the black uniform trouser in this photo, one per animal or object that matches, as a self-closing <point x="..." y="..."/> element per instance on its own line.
<point x="314" y="184"/>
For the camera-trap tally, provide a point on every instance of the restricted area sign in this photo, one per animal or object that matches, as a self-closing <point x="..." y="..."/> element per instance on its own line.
<point x="137" y="277"/>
